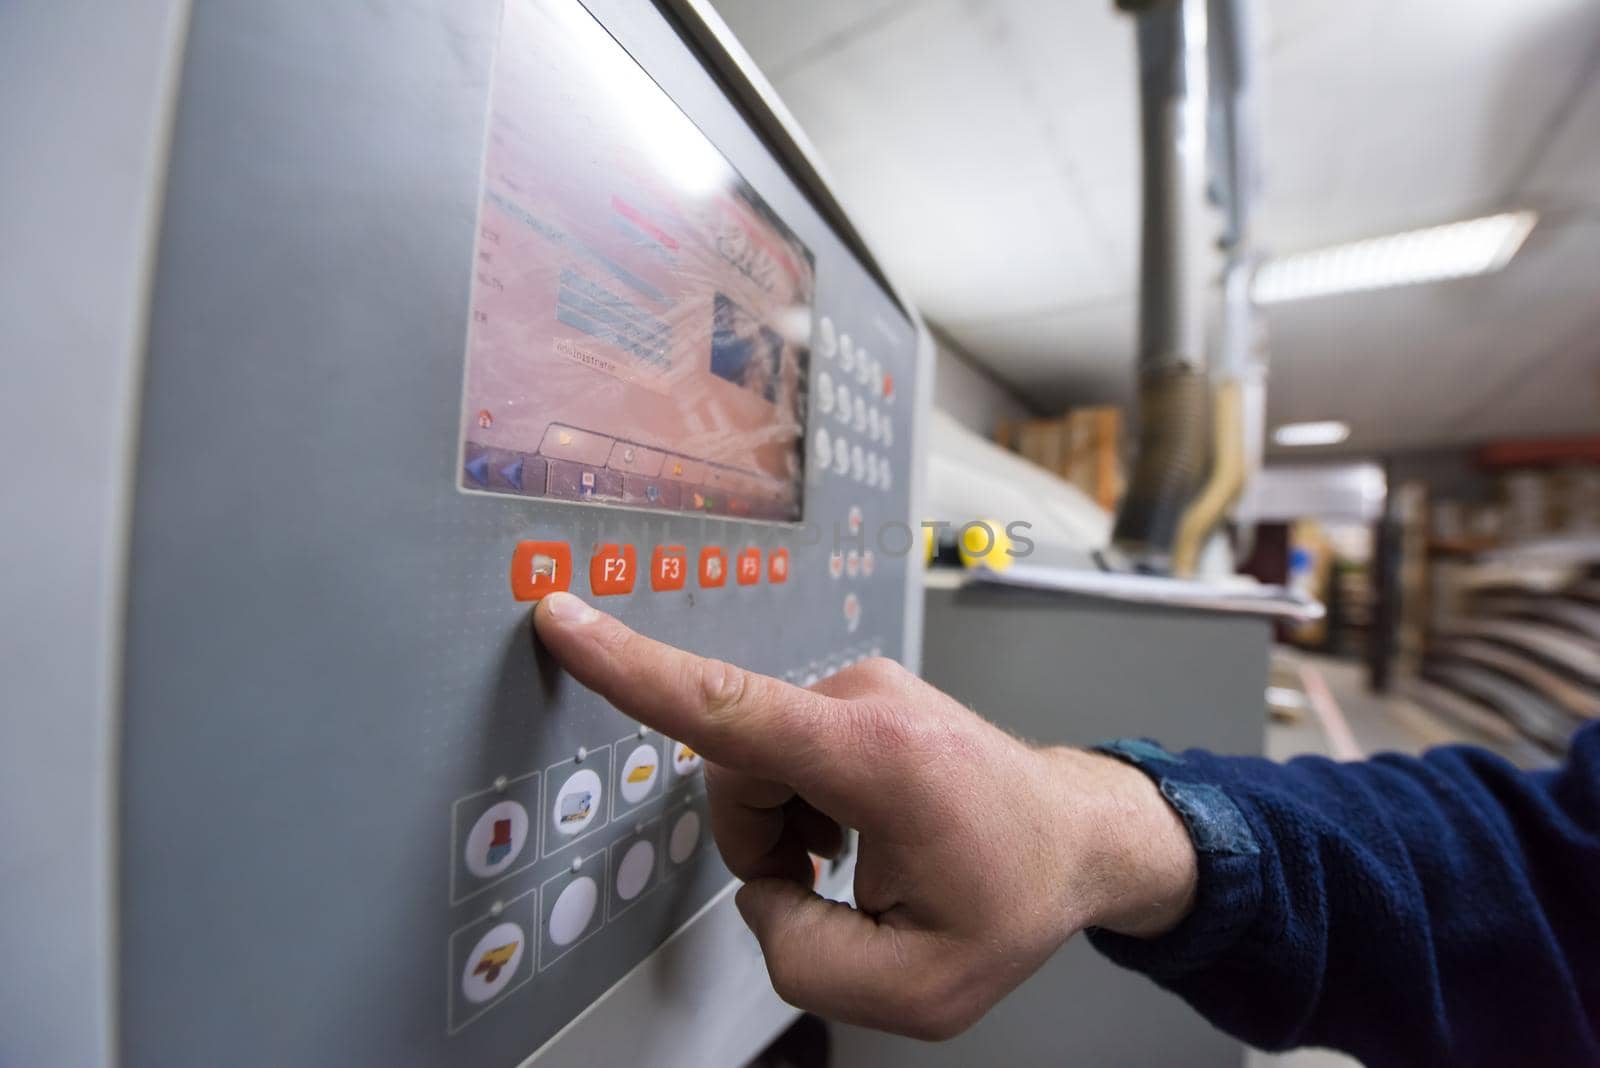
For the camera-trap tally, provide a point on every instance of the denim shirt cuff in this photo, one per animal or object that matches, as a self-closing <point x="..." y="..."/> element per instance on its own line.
<point x="1228" y="895"/>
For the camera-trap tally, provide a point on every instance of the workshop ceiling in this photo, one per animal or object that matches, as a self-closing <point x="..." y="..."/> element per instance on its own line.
<point x="988" y="149"/>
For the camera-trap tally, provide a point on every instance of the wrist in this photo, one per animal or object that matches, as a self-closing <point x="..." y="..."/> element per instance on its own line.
<point x="1134" y="866"/>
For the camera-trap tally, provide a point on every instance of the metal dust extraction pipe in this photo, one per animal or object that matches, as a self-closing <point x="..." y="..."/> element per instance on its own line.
<point x="1175" y="250"/>
<point x="1238" y="370"/>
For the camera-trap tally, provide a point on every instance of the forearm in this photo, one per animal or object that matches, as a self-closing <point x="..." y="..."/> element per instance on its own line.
<point x="1379" y="907"/>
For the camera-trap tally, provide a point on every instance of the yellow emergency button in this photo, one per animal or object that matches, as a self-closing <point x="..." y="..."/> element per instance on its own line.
<point x="984" y="541"/>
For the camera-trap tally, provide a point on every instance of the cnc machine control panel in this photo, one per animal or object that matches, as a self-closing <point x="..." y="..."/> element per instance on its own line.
<point x="458" y="305"/>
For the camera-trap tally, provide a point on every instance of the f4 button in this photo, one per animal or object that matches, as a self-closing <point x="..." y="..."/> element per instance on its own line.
<point x="612" y="569"/>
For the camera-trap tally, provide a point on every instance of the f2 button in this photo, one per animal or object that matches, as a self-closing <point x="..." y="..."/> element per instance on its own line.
<point x="612" y="569"/>
<point x="669" y="568"/>
<point x="540" y="568"/>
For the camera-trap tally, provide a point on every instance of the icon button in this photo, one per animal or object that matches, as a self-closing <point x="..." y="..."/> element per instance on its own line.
<point x="640" y="773"/>
<point x="540" y="568"/>
<point x="496" y="839"/>
<point x="684" y="838"/>
<point x="492" y="963"/>
<point x="633" y="873"/>
<point x="835" y="564"/>
<point x="573" y="910"/>
<point x="713" y="567"/>
<point x="612" y="570"/>
<point x="778" y="566"/>
<point x="749" y="566"/>
<point x="669" y="568"/>
<point x="685" y="761"/>
<point x="577" y="803"/>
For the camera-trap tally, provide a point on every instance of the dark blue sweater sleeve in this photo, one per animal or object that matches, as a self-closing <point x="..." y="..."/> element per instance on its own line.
<point x="1434" y="910"/>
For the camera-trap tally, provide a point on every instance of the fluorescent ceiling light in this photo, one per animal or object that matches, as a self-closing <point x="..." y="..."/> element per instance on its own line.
<point x="1326" y="432"/>
<point x="1455" y="250"/>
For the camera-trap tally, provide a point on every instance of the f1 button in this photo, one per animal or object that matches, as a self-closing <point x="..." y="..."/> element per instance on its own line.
<point x="540" y="568"/>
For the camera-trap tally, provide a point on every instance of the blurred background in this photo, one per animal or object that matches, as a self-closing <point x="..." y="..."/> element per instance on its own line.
<point x="1430" y="451"/>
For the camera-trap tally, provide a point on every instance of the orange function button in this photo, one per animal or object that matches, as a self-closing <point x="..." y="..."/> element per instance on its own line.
<point x="539" y="568"/>
<point x="749" y="566"/>
<point x="778" y="566"/>
<point x="611" y="570"/>
<point x="713" y="566"/>
<point x="669" y="567"/>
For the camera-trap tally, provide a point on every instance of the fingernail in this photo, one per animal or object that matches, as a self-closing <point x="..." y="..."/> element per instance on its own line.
<point x="568" y="608"/>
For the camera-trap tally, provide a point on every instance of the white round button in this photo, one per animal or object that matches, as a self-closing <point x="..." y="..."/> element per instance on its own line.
<point x="852" y="612"/>
<point x="822" y="446"/>
<point x="835" y="565"/>
<point x="492" y="963"/>
<point x="685" y="836"/>
<point x="841" y="456"/>
<point x="634" y="870"/>
<point x="872" y="470"/>
<point x="861" y="414"/>
<point x="570" y="915"/>
<point x="874" y="424"/>
<point x="685" y="761"/>
<point x="858" y="463"/>
<point x="496" y="839"/>
<point x="888" y="431"/>
<point x="847" y="353"/>
<point x="639" y="774"/>
<point x="869" y="563"/>
<point x="824" y="392"/>
<point x="827" y="340"/>
<point x="577" y="802"/>
<point x="863" y="367"/>
<point x="852" y="563"/>
<point x="842" y="396"/>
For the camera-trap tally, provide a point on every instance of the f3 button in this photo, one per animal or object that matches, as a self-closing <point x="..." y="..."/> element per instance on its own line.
<point x="612" y="569"/>
<point x="669" y="568"/>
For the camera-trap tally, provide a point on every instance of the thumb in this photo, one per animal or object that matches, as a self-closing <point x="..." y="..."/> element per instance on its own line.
<point x="834" y="960"/>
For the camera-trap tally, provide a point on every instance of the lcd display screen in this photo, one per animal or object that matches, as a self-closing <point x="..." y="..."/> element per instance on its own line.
<point x="640" y="316"/>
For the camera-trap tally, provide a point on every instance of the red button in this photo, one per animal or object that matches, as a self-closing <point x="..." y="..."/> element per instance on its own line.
<point x="612" y="570"/>
<point x="888" y="385"/>
<point x="669" y="567"/>
<point x="778" y="566"/>
<point x="713" y="566"/>
<point x="750" y="566"/>
<point x="539" y="568"/>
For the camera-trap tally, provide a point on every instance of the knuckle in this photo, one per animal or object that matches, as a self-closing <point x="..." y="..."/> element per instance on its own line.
<point x="935" y="1009"/>
<point x="786" y="978"/>
<point x="882" y="669"/>
<point x="725" y="688"/>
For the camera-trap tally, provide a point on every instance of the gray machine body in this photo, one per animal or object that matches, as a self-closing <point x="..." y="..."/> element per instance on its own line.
<point x="321" y="679"/>
<point x="1075" y="670"/>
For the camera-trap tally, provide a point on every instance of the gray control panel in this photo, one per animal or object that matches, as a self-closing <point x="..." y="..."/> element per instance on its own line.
<point x="458" y="303"/>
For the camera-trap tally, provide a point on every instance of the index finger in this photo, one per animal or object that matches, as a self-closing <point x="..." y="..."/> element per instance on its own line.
<point x="737" y="718"/>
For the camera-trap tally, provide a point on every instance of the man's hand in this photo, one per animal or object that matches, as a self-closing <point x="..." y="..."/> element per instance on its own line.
<point x="979" y="854"/>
